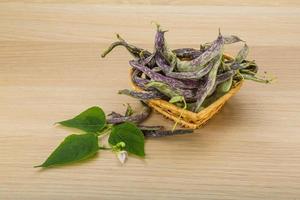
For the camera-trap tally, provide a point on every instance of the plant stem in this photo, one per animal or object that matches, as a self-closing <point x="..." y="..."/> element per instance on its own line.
<point x="105" y="131"/>
<point x="184" y="108"/>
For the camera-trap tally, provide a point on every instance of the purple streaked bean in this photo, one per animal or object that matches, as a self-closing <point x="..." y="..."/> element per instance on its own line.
<point x="161" y="78"/>
<point x="222" y="78"/>
<point x="198" y="63"/>
<point x="209" y="85"/>
<point x="133" y="50"/>
<point x="143" y="95"/>
<point x="162" y="63"/>
<point x="148" y="61"/>
<point x="187" y="53"/>
<point x="161" y="51"/>
<point x="137" y="80"/>
<point x="225" y="76"/>
<point x="242" y="54"/>
<point x="251" y="65"/>
<point x="230" y="39"/>
<point x="150" y="128"/>
<point x="135" y="118"/>
<point x="192" y="75"/>
<point x="163" y="133"/>
<point x="169" y="91"/>
<point x="114" y="114"/>
<point x="240" y="57"/>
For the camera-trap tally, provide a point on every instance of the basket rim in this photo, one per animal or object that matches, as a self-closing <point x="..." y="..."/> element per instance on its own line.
<point x="188" y="112"/>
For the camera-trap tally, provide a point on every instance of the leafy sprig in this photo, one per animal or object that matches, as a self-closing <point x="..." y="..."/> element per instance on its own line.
<point x="123" y="138"/>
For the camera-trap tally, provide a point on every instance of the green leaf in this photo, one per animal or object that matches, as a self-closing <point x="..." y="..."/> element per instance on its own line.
<point x="73" y="148"/>
<point x="131" y="135"/>
<point x="92" y="120"/>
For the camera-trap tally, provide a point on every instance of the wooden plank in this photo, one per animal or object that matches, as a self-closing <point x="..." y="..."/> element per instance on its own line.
<point x="50" y="70"/>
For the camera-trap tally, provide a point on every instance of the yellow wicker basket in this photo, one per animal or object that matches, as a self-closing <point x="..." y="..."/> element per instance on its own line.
<point x="190" y="119"/>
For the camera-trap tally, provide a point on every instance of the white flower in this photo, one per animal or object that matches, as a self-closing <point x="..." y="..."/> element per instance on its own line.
<point x="122" y="156"/>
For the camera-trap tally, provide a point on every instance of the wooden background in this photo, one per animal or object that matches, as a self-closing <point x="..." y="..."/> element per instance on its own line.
<point x="50" y="70"/>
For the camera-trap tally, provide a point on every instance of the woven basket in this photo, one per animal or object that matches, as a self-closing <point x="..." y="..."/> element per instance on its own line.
<point x="188" y="118"/>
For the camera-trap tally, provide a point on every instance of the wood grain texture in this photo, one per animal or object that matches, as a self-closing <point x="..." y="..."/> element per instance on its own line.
<point x="50" y="70"/>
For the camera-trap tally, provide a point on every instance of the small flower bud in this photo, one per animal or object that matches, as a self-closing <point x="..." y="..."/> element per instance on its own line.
<point x="122" y="156"/>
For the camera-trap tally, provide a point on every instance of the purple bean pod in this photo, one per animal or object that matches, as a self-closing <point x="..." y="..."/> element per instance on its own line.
<point x="162" y="63"/>
<point x="161" y="78"/>
<point x="148" y="61"/>
<point x="187" y="53"/>
<point x="141" y="82"/>
<point x="222" y="78"/>
<point x="225" y="76"/>
<point x="191" y="75"/>
<point x="114" y="114"/>
<point x="161" y="51"/>
<point x="133" y="50"/>
<point x="189" y="95"/>
<point x="150" y="128"/>
<point x="230" y="39"/>
<point x="135" y="118"/>
<point x="137" y="80"/>
<point x="205" y="89"/>
<point x="143" y="95"/>
<point x="163" y="133"/>
<point x="197" y="63"/>
<point x="213" y="51"/>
